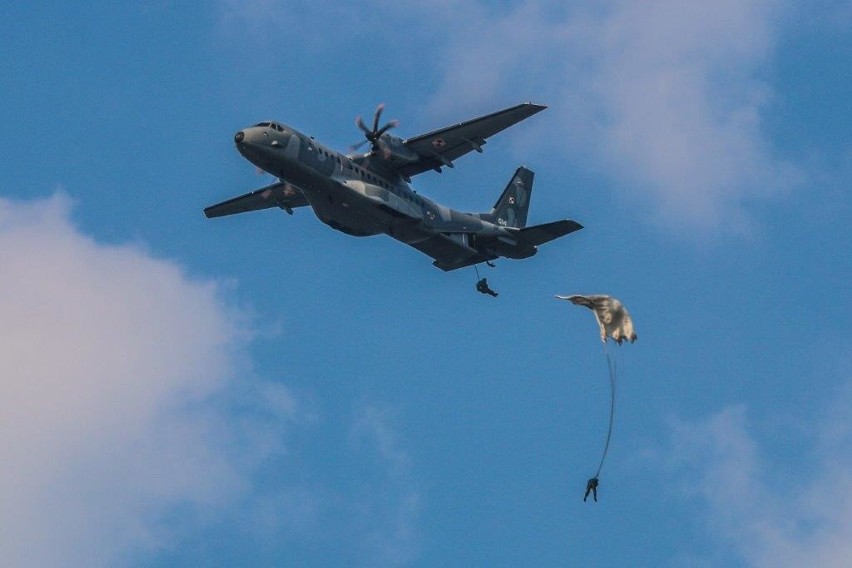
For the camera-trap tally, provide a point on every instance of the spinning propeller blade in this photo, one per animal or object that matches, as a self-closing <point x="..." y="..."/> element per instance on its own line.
<point x="373" y="136"/>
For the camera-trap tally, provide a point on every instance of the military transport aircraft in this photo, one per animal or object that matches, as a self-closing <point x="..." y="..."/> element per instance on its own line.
<point x="368" y="194"/>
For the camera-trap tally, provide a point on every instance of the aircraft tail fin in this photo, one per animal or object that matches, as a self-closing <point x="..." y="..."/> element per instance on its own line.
<point x="514" y="203"/>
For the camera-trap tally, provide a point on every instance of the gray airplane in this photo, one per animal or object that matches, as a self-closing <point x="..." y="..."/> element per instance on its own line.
<point x="368" y="194"/>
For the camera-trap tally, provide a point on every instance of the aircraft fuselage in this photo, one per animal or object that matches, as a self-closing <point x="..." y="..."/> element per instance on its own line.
<point x="355" y="194"/>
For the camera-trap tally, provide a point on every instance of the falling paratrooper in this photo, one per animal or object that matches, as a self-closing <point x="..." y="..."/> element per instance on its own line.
<point x="614" y="322"/>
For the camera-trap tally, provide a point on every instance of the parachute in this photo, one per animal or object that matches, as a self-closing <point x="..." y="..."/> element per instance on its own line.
<point x="612" y="316"/>
<point x="614" y="321"/>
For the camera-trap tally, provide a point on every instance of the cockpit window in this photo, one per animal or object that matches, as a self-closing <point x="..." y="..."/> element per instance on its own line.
<point x="263" y="124"/>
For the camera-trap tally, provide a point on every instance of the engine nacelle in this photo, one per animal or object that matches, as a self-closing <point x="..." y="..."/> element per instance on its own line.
<point x="393" y="150"/>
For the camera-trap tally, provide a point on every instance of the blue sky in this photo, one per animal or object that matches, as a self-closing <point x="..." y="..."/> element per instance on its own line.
<point x="263" y="390"/>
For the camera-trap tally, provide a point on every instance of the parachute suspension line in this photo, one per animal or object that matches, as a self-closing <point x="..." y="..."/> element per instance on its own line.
<point x="613" y="370"/>
<point x="477" y="272"/>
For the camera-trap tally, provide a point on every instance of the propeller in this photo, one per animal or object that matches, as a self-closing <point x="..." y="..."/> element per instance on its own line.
<point x="373" y="136"/>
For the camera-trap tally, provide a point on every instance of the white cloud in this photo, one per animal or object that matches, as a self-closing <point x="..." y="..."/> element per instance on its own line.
<point x="387" y="519"/>
<point x="119" y="377"/>
<point x="666" y="98"/>
<point x="771" y="512"/>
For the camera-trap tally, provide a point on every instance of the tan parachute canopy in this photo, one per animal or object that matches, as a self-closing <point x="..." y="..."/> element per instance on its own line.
<point x="611" y="314"/>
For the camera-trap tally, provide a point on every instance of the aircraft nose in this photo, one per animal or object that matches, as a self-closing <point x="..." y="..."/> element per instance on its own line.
<point x="238" y="137"/>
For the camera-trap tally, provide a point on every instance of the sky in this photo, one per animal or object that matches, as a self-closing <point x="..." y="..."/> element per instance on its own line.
<point x="263" y="390"/>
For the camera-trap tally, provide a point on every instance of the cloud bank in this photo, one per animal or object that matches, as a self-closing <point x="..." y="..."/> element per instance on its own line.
<point x="771" y="513"/>
<point x="122" y="423"/>
<point x="666" y="99"/>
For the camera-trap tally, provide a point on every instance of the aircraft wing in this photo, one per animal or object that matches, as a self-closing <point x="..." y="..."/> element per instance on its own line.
<point x="280" y="194"/>
<point x="440" y="147"/>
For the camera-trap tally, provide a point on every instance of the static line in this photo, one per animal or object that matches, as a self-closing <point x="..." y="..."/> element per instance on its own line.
<point x="612" y="375"/>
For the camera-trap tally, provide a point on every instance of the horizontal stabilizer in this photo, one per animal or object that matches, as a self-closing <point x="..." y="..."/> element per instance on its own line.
<point x="279" y="194"/>
<point x="540" y="234"/>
